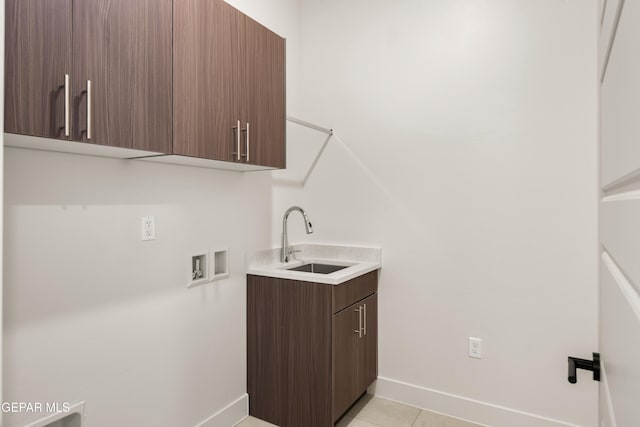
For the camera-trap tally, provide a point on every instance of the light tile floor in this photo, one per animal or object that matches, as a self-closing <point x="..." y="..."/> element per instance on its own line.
<point x="371" y="411"/>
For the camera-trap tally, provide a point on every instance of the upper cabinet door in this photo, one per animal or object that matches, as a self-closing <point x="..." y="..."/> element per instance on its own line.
<point x="264" y="95"/>
<point x="122" y="73"/>
<point x="208" y="40"/>
<point x="37" y="58"/>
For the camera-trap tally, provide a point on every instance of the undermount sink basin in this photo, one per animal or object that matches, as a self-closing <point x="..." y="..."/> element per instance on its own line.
<point x="318" y="268"/>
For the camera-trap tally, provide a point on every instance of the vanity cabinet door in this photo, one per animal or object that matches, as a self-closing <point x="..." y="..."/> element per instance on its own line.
<point x="355" y="355"/>
<point x="346" y="358"/>
<point x="368" y="357"/>
<point x="289" y="351"/>
<point x="37" y="58"/>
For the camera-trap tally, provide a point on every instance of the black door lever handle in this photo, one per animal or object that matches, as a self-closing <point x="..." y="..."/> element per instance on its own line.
<point x="589" y="365"/>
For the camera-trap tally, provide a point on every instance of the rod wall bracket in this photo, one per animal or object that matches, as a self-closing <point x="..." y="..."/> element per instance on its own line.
<point x="589" y="365"/>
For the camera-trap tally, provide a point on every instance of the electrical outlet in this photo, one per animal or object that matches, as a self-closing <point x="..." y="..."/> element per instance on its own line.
<point x="148" y="228"/>
<point x="475" y="347"/>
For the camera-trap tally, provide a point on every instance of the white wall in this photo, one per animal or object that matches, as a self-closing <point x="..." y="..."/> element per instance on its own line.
<point x="466" y="148"/>
<point x="92" y="313"/>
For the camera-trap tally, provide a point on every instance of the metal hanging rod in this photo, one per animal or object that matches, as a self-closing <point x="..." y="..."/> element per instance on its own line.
<point x="310" y="125"/>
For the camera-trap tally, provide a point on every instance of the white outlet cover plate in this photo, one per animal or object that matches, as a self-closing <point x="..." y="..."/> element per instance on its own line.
<point x="148" y="225"/>
<point x="475" y="347"/>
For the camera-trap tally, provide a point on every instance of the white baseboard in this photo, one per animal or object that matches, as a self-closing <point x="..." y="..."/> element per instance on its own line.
<point x="459" y="407"/>
<point x="230" y="415"/>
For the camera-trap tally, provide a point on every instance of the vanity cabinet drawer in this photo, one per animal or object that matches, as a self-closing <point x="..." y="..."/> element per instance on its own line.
<point x="354" y="290"/>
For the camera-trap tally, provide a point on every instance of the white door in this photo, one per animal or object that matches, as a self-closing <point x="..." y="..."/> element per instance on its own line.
<point x="619" y="317"/>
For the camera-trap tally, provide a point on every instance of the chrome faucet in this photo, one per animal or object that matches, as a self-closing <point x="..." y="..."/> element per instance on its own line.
<point x="286" y="249"/>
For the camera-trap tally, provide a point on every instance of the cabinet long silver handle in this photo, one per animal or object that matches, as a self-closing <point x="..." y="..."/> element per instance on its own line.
<point x="359" y="330"/>
<point x="88" y="109"/>
<point x="365" y="320"/>
<point x="67" y="94"/>
<point x="236" y="130"/>
<point x="246" y="142"/>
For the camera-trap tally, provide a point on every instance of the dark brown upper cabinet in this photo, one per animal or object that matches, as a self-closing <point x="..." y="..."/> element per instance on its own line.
<point x="95" y="71"/>
<point x="191" y="82"/>
<point x="37" y="59"/>
<point x="229" y="82"/>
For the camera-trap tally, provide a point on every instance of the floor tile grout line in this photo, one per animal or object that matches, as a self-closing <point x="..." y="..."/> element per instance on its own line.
<point x="366" y="421"/>
<point x="358" y="415"/>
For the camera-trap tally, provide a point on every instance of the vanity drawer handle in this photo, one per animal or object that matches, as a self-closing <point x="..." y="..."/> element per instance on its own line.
<point x="359" y="330"/>
<point x="365" y="320"/>
<point x="89" y="109"/>
<point x="236" y="131"/>
<point x="246" y="142"/>
<point x="67" y="103"/>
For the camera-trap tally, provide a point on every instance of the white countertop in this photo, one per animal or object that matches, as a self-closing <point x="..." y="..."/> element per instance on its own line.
<point x="360" y="260"/>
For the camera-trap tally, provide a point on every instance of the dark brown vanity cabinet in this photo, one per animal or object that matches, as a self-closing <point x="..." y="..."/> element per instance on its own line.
<point x="95" y="71"/>
<point x="229" y="74"/>
<point x="311" y="348"/>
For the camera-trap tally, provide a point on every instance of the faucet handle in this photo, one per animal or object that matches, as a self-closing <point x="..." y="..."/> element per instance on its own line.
<point x="291" y="251"/>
